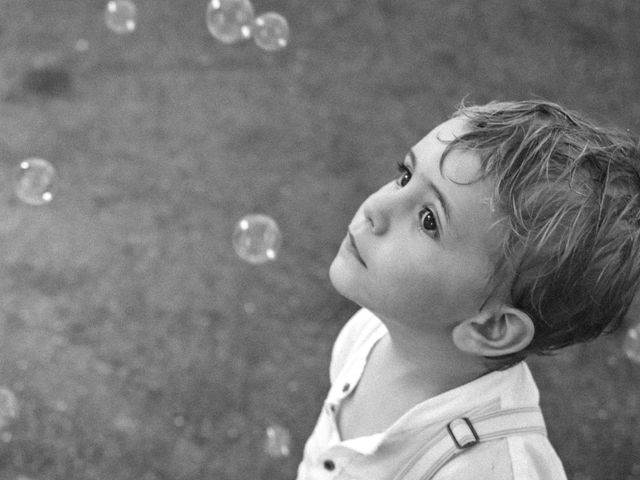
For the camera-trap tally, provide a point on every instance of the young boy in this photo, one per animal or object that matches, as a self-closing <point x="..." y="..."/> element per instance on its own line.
<point x="511" y="229"/>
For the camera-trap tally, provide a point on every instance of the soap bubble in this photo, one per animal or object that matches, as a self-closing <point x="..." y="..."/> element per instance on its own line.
<point x="270" y="31"/>
<point x="8" y="406"/>
<point x="230" y="20"/>
<point x="631" y="344"/>
<point x="120" y="16"/>
<point x="34" y="181"/>
<point x="125" y="424"/>
<point x="257" y="238"/>
<point x="277" y="442"/>
<point x="249" y="308"/>
<point x="178" y="421"/>
<point x="82" y="45"/>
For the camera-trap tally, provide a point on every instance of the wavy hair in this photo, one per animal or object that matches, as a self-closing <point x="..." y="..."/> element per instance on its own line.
<point x="568" y="194"/>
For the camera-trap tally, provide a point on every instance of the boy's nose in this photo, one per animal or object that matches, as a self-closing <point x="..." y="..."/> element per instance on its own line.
<point x="376" y="215"/>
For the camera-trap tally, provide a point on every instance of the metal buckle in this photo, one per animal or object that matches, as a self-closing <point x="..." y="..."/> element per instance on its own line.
<point x="468" y="443"/>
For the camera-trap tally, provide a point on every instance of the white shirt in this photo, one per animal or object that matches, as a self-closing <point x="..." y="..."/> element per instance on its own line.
<point x="527" y="456"/>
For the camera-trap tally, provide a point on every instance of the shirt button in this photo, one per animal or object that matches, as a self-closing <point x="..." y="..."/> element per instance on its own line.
<point x="345" y="387"/>
<point x="329" y="465"/>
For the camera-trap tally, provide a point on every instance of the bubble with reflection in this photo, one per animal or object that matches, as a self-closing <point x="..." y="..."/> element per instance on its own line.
<point x="270" y="31"/>
<point x="9" y="407"/>
<point x="257" y="239"/>
<point x="34" y="181"/>
<point x="120" y="16"/>
<point x="229" y="20"/>
<point x="631" y="344"/>
<point x="277" y="441"/>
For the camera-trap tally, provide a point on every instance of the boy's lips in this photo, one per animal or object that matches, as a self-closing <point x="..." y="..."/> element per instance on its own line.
<point x="353" y="248"/>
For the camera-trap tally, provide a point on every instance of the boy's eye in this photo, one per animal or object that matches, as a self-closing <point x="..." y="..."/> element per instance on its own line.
<point x="405" y="175"/>
<point x="428" y="220"/>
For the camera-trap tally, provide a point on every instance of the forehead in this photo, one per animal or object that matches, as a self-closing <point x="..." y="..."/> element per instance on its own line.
<point x="459" y="166"/>
<point x="435" y="142"/>
<point x="460" y="180"/>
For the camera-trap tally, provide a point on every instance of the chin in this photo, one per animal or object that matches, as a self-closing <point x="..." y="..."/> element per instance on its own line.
<point x="335" y="274"/>
<point x="340" y="278"/>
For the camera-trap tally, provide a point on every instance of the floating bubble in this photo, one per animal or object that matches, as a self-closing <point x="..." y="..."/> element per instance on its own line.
<point x="120" y="16"/>
<point x="34" y="181"/>
<point x="82" y="45"/>
<point x="8" y="406"/>
<point x="257" y="239"/>
<point x="178" y="421"/>
<point x="60" y="406"/>
<point x="631" y="344"/>
<point x="277" y="442"/>
<point x="230" y="20"/>
<point x="270" y="31"/>
<point x="125" y="424"/>
<point x="250" y="308"/>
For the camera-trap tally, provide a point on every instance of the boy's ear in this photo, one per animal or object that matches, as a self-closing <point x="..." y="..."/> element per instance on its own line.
<point x="494" y="332"/>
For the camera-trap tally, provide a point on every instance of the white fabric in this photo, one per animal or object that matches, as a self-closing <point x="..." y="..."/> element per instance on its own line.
<point x="527" y="456"/>
<point x="468" y="430"/>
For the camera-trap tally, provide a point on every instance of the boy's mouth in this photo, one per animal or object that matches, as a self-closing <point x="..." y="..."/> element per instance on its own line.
<point x="353" y="248"/>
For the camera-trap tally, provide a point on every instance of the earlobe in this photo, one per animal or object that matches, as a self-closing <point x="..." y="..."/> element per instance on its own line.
<point x="494" y="333"/>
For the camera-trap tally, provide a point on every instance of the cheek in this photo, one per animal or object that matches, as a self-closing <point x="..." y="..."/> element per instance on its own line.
<point x="468" y="287"/>
<point x="410" y="282"/>
<point x="440" y="288"/>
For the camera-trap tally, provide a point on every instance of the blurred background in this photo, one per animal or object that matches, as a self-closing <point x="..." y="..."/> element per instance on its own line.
<point x="135" y="342"/>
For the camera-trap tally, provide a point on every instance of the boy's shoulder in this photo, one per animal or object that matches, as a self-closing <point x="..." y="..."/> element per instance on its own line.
<point x="483" y="461"/>
<point x="519" y="457"/>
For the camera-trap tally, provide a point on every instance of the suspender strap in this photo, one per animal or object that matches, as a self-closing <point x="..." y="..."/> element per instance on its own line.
<point x="464" y="432"/>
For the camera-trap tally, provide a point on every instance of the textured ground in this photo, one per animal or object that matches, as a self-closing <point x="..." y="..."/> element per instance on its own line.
<point x="139" y="345"/>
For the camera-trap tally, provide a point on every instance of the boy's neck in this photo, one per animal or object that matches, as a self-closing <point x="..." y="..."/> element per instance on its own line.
<point x="427" y="359"/>
<point x="404" y="369"/>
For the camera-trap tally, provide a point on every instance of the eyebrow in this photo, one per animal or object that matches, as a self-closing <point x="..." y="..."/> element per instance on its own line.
<point x="430" y="184"/>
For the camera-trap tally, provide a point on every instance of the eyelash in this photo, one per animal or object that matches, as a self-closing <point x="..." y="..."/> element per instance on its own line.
<point x="404" y="171"/>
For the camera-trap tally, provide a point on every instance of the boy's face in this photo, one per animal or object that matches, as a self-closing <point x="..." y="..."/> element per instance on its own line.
<point x="417" y="256"/>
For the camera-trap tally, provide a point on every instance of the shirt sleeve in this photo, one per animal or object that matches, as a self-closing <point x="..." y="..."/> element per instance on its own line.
<point x="534" y="458"/>
<point x="519" y="457"/>
<point x="485" y="461"/>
